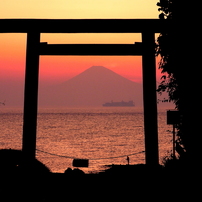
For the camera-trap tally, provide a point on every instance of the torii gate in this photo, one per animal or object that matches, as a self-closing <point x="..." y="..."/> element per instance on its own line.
<point x="34" y="27"/>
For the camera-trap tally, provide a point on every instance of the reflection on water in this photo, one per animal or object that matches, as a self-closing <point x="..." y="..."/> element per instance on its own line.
<point x="85" y="133"/>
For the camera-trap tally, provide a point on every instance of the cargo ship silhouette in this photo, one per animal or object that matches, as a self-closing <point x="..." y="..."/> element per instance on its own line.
<point x="119" y="104"/>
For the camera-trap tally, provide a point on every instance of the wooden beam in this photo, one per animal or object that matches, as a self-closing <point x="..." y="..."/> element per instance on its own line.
<point x="91" y="49"/>
<point x="83" y="25"/>
<point x="31" y="96"/>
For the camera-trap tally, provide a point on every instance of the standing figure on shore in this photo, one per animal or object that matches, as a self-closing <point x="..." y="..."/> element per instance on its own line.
<point x="128" y="159"/>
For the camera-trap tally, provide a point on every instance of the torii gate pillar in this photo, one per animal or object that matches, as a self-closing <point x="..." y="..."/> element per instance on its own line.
<point x="31" y="96"/>
<point x="150" y="99"/>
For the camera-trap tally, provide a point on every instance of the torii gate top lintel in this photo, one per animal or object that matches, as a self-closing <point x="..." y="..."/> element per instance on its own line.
<point x="83" y="25"/>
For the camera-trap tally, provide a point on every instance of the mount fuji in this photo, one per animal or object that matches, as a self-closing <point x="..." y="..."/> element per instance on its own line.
<point x="93" y="87"/>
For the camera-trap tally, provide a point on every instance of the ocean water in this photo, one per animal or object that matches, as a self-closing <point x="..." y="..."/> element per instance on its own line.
<point x="105" y="136"/>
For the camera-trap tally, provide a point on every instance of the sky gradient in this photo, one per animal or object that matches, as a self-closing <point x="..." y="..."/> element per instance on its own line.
<point x="78" y="9"/>
<point x="56" y="69"/>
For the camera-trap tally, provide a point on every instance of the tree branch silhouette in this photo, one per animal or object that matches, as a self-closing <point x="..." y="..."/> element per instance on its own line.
<point x="171" y="81"/>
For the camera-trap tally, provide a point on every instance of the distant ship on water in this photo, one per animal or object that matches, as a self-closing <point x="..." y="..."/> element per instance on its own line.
<point x="119" y="104"/>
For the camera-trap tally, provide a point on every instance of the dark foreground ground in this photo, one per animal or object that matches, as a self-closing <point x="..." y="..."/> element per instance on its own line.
<point x="120" y="183"/>
<point x="34" y="182"/>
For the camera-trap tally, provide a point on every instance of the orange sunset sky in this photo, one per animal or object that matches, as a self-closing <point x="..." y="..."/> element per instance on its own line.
<point x="56" y="69"/>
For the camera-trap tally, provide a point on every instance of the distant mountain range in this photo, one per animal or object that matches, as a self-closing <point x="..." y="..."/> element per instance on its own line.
<point x="93" y="87"/>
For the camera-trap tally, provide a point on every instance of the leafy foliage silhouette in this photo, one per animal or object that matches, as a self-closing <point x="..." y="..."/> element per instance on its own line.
<point x="165" y="48"/>
<point x="171" y="81"/>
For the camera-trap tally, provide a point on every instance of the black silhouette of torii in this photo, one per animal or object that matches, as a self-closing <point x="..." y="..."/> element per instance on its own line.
<point x="34" y="27"/>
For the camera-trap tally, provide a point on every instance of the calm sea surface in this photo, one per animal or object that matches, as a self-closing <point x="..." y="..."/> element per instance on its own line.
<point x="90" y="133"/>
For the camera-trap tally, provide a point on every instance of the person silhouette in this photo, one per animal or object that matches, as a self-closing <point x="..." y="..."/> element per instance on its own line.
<point x="128" y="159"/>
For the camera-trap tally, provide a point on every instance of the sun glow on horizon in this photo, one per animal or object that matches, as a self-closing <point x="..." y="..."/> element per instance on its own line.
<point x="61" y="68"/>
